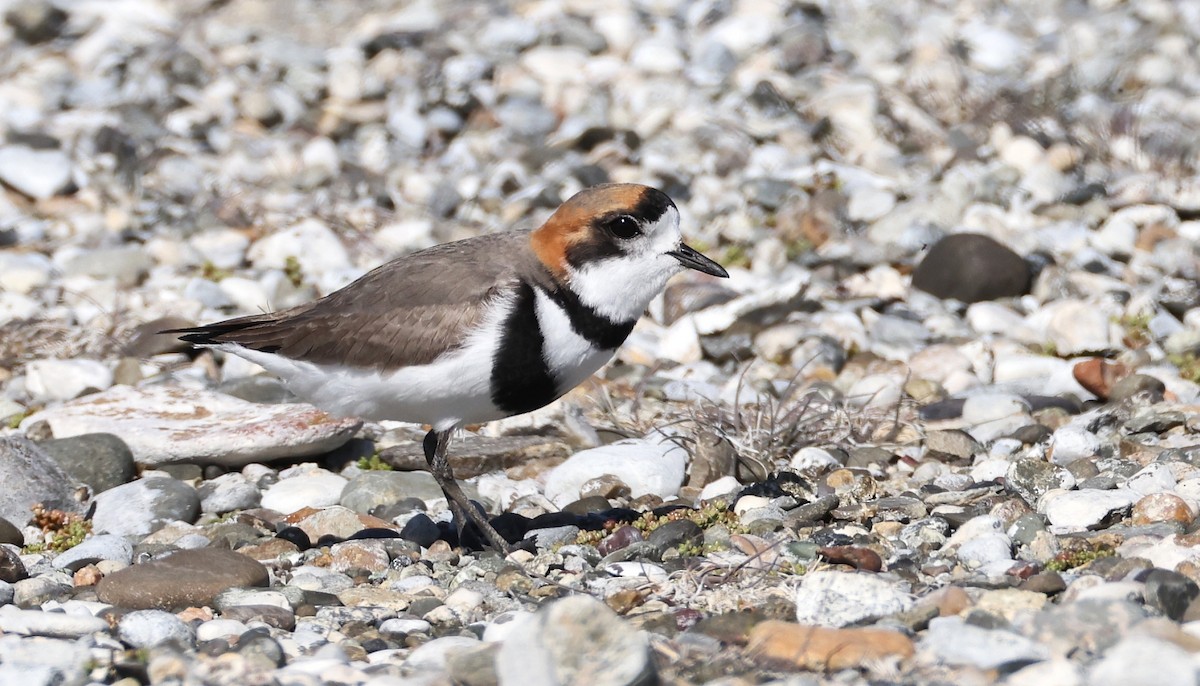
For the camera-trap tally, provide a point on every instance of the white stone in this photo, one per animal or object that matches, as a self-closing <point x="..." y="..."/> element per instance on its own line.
<point x="827" y="598"/>
<point x="1079" y="510"/>
<point x="14" y="306"/>
<point x="723" y="486"/>
<point x="813" y="459"/>
<point x="646" y="466"/>
<point x="51" y="624"/>
<point x="224" y="248"/>
<point x="432" y="656"/>
<point x="1153" y="478"/>
<point x="1070" y="443"/>
<point x="220" y="628"/>
<point x="314" y="246"/>
<point x="167" y="425"/>
<point x="317" y="489"/>
<point x="983" y="550"/>
<point x="869" y="203"/>
<point x="1143" y="661"/>
<point x="23" y="272"/>
<point x="51" y="379"/>
<point x="876" y="391"/>
<point x="39" y="174"/>
<point x="150" y="628"/>
<point x="950" y="640"/>
<point x="574" y="640"/>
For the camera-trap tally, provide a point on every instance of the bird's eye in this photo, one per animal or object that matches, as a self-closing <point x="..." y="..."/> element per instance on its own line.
<point x="623" y="226"/>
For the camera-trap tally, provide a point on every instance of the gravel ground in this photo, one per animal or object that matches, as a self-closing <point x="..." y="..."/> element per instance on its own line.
<point x="942" y="425"/>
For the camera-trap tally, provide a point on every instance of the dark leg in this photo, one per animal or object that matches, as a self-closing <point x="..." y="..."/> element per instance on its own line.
<point x="435" y="444"/>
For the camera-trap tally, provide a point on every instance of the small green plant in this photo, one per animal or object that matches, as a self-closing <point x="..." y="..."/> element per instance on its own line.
<point x="15" y="420"/>
<point x="212" y="272"/>
<point x="373" y="463"/>
<point x="705" y="517"/>
<point x="1071" y="559"/>
<point x="1137" y="329"/>
<point x="1188" y="364"/>
<point x="61" y="530"/>
<point x="293" y="271"/>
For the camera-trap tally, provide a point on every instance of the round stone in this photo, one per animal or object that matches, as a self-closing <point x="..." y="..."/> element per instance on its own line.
<point x="1161" y="507"/>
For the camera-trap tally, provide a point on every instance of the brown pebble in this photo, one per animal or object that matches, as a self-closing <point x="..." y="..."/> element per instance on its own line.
<point x="860" y="558"/>
<point x="624" y="600"/>
<point x="950" y="601"/>
<point x="1098" y="375"/>
<point x="819" y="648"/>
<point x="190" y="614"/>
<point x="87" y="576"/>
<point x="1161" y="507"/>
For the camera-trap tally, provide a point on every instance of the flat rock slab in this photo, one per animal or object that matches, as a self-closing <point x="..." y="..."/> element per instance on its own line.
<point x="164" y="425"/>
<point x="471" y="456"/>
<point x="188" y="578"/>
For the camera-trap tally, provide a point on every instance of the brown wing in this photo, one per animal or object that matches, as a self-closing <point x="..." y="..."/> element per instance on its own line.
<point x="406" y="312"/>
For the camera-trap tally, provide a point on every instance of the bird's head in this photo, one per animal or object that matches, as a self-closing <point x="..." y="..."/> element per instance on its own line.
<point x="616" y="245"/>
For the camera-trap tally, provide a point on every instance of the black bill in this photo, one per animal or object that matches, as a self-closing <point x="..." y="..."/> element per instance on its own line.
<point x="688" y="257"/>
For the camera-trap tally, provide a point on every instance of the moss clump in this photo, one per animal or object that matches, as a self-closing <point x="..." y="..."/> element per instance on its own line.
<point x="1137" y="329"/>
<point x="705" y="517"/>
<point x="61" y="530"/>
<point x="1077" y="558"/>
<point x="1188" y="364"/>
<point x="373" y="463"/>
<point x="212" y="272"/>
<point x="293" y="271"/>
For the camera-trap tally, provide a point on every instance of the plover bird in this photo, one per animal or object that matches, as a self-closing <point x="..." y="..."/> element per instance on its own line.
<point x="479" y="329"/>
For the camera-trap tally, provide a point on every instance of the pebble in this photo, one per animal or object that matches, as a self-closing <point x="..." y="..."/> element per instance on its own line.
<point x="951" y="640"/>
<point x="166" y="425"/>
<point x="317" y="488"/>
<point x="93" y="549"/>
<point x="142" y="507"/>
<point x="1085" y="509"/>
<point x="49" y="380"/>
<point x="794" y="646"/>
<point x="38" y="174"/>
<point x="51" y="624"/>
<point x="228" y="493"/>
<point x="30" y="476"/>
<point x="101" y="460"/>
<point x="838" y="599"/>
<point x="188" y="578"/>
<point x="153" y="628"/>
<point x="576" y="639"/>
<point x="647" y="467"/>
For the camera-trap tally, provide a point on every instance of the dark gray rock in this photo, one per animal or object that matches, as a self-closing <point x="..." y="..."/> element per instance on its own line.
<point x="101" y="461"/>
<point x="972" y="268"/>
<point x="30" y="476"/>
<point x="36" y="21"/>
<point x="1136" y="384"/>
<point x="10" y="533"/>
<point x="1168" y="592"/>
<point x="674" y="534"/>
<point x="1031" y="478"/>
<point x="12" y="569"/>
